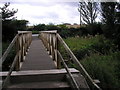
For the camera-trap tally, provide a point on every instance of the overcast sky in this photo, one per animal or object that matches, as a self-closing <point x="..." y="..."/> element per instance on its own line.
<point x="45" y="11"/>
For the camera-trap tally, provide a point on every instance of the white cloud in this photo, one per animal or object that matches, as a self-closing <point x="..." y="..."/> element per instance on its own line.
<point x="44" y="12"/>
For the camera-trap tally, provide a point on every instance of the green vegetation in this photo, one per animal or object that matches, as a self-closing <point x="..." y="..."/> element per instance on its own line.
<point x="10" y="57"/>
<point x="82" y="46"/>
<point x="99" y="56"/>
<point x="35" y="32"/>
<point x="4" y="46"/>
<point x="96" y="45"/>
<point x="105" y="68"/>
<point x="10" y="25"/>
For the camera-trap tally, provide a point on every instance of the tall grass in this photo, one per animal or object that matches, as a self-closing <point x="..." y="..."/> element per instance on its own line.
<point x="82" y="47"/>
<point x="105" y="68"/>
<point x="100" y="58"/>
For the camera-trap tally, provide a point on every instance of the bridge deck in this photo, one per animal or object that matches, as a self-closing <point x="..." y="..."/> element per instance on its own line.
<point x="37" y="57"/>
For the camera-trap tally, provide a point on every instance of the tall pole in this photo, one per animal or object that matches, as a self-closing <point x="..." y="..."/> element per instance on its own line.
<point x="79" y="9"/>
<point x="80" y="15"/>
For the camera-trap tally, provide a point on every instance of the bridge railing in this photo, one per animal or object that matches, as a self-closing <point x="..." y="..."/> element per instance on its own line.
<point x="21" y="43"/>
<point x="50" y="41"/>
<point x="53" y="42"/>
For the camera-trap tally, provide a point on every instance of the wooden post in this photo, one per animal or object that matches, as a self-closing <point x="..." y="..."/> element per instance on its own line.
<point x="17" y="67"/>
<point x="57" y="49"/>
<point x="49" y="43"/>
<point x="25" y="45"/>
<point x="22" y="54"/>
<point x="53" y="46"/>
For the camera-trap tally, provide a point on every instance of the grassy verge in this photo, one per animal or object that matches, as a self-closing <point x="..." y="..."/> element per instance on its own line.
<point x="100" y="58"/>
<point x="105" y="68"/>
<point x="82" y="47"/>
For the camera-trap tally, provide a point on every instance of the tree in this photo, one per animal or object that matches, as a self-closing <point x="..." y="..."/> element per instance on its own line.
<point x="6" y="13"/>
<point x="118" y="13"/>
<point x="88" y="11"/>
<point x="39" y="27"/>
<point x="108" y="12"/>
<point x="10" y="25"/>
<point x="111" y="19"/>
<point x="20" y="25"/>
<point x="7" y="25"/>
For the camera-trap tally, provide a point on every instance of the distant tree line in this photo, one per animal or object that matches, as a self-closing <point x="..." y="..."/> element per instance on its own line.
<point x="109" y="26"/>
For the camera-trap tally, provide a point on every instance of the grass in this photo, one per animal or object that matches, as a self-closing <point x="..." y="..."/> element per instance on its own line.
<point x="100" y="58"/>
<point x="82" y="47"/>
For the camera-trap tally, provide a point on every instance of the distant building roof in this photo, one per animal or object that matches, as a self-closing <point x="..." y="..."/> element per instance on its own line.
<point x="30" y="26"/>
<point x="73" y="26"/>
<point x="66" y="24"/>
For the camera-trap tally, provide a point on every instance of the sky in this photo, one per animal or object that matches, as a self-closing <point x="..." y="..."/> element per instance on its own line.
<point x="45" y="11"/>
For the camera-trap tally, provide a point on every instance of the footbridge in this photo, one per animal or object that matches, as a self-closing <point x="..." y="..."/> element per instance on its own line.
<point x="44" y="61"/>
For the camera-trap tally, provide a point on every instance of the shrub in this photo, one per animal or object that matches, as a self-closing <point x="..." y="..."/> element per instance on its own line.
<point x="103" y="45"/>
<point x="35" y="32"/>
<point x="102" y="61"/>
<point x="94" y="29"/>
<point x="105" y="68"/>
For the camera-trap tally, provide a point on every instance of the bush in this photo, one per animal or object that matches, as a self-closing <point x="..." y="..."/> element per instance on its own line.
<point x="105" y="68"/>
<point x="94" y="29"/>
<point x="35" y="32"/>
<point x="82" y="47"/>
<point x="103" y="45"/>
<point x="102" y="61"/>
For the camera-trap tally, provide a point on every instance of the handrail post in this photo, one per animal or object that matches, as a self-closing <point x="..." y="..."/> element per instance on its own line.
<point x="17" y="67"/>
<point x="57" y="49"/>
<point x="22" y="57"/>
<point x="53" y="46"/>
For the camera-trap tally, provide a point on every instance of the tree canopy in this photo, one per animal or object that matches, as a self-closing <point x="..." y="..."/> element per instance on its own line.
<point x="10" y="25"/>
<point x="6" y="13"/>
<point x="88" y="12"/>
